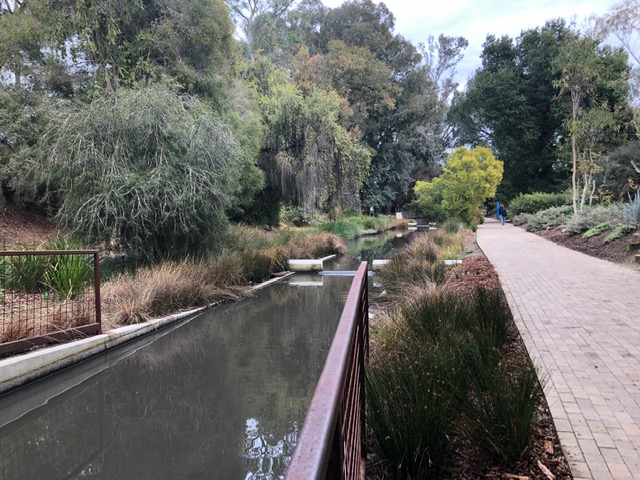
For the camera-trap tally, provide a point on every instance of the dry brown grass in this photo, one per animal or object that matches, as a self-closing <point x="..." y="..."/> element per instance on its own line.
<point x="27" y="315"/>
<point x="315" y="246"/>
<point x="172" y="286"/>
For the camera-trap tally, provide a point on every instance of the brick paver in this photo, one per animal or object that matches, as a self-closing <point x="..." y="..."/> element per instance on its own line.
<point x="580" y="320"/>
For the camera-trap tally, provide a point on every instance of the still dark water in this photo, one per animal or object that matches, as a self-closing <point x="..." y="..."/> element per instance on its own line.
<point x="220" y="396"/>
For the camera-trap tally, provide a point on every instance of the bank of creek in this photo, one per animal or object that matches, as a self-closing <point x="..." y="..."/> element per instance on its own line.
<point x="220" y="395"/>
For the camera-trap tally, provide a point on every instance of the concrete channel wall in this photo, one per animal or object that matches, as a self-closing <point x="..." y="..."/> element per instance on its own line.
<point x="21" y="369"/>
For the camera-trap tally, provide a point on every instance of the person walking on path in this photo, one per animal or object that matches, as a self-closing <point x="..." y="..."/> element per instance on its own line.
<point x="502" y="212"/>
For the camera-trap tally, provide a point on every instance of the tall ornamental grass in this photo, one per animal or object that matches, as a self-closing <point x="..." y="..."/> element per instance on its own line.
<point x="438" y="372"/>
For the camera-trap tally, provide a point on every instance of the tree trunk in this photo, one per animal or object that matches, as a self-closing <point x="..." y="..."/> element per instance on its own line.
<point x="575" y="100"/>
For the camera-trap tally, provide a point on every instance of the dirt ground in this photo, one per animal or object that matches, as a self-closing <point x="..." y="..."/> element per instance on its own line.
<point x="616" y="251"/>
<point x="24" y="227"/>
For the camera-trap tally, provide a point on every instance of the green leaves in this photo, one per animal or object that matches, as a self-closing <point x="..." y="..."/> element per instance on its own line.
<point x="470" y="177"/>
<point x="150" y="171"/>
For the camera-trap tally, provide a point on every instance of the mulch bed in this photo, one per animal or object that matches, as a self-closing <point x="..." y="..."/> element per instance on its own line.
<point x="24" y="227"/>
<point x="544" y="459"/>
<point x="616" y="251"/>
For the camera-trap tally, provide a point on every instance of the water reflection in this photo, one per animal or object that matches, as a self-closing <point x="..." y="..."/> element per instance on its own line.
<point x="178" y="407"/>
<point x="267" y="456"/>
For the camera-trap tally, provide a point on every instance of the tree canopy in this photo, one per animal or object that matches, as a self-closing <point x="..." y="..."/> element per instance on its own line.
<point x="323" y="109"/>
<point x="469" y="178"/>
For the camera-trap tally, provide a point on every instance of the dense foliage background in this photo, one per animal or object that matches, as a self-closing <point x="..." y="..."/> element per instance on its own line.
<point x="246" y="107"/>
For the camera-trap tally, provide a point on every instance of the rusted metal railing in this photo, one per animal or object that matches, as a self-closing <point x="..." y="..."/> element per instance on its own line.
<point x="48" y="296"/>
<point x="332" y="443"/>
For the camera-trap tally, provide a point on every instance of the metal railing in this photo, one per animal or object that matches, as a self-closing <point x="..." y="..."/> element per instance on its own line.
<point x="332" y="443"/>
<point x="48" y="296"/>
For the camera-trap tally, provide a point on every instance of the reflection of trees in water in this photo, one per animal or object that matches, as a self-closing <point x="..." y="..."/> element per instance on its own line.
<point x="177" y="407"/>
<point x="32" y="448"/>
<point x="379" y="246"/>
<point x="267" y="455"/>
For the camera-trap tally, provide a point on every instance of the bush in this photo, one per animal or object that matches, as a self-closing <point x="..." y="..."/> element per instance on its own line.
<point x="412" y="405"/>
<point x="618" y="232"/>
<point x="631" y="212"/>
<point x="593" y="216"/>
<point x="597" y="230"/>
<point x="69" y="274"/>
<point x="422" y="381"/>
<point x="551" y="217"/>
<point x="295" y="215"/>
<point x="24" y="273"/>
<point x="536" y="202"/>
<point x="149" y="171"/>
<point x="502" y="410"/>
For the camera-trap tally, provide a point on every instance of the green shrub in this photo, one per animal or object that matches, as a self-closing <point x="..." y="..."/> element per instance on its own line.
<point x="295" y="215"/>
<point x="425" y="363"/>
<point x="551" y="217"/>
<point x="452" y="226"/>
<point x="69" y="274"/>
<point x="148" y="170"/>
<point x="521" y="219"/>
<point x="618" y="232"/>
<point x="597" y="230"/>
<point x="592" y="216"/>
<point x="24" y="273"/>
<point x="411" y="409"/>
<point x="536" y="202"/>
<point x="631" y="212"/>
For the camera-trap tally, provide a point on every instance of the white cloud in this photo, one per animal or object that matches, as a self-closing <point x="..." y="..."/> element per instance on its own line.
<point x="474" y="19"/>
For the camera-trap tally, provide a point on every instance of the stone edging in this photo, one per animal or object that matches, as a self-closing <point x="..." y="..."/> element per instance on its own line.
<point x="21" y="369"/>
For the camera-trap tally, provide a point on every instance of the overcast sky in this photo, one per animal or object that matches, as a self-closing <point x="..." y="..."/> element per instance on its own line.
<point x="474" y="19"/>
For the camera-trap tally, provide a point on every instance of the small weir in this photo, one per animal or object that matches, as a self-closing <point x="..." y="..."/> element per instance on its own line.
<point x="222" y="395"/>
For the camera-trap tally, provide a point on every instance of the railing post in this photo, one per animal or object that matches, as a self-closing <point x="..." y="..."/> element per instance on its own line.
<point x="96" y="289"/>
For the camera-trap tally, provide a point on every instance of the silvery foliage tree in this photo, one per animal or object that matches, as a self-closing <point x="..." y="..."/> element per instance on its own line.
<point x="148" y="171"/>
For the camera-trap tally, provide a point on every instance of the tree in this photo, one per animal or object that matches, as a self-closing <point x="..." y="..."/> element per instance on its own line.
<point x="310" y="158"/>
<point x="596" y="81"/>
<point x="623" y="21"/>
<point x="255" y="15"/>
<point x="469" y="178"/>
<point x="148" y="171"/>
<point x="511" y="105"/>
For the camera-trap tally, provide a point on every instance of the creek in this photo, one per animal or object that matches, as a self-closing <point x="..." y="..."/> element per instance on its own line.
<point x="219" y="395"/>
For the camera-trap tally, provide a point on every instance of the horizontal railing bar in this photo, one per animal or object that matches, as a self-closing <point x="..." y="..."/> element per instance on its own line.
<point x="54" y="337"/>
<point x="311" y="457"/>
<point x="15" y="253"/>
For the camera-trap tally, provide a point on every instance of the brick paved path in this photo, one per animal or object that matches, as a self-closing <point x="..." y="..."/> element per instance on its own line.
<point x="580" y="320"/>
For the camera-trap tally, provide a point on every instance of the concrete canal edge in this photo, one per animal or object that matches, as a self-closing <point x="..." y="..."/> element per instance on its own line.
<point x="25" y="368"/>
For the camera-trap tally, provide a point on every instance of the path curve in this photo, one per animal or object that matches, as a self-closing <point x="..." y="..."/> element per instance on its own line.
<point x="580" y="320"/>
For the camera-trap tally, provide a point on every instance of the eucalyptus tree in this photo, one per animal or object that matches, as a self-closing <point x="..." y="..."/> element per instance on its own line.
<point x="596" y="80"/>
<point x="623" y="22"/>
<point x="256" y="19"/>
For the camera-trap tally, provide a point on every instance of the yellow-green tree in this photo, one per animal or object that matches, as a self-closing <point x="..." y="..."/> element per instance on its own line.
<point x="469" y="178"/>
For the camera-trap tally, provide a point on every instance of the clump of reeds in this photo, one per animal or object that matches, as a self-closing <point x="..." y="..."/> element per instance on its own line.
<point x="173" y="286"/>
<point x="417" y="264"/>
<point x="438" y="370"/>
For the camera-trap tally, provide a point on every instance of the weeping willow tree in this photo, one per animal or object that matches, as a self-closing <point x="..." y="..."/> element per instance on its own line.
<point x="148" y="171"/>
<point x="310" y="158"/>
